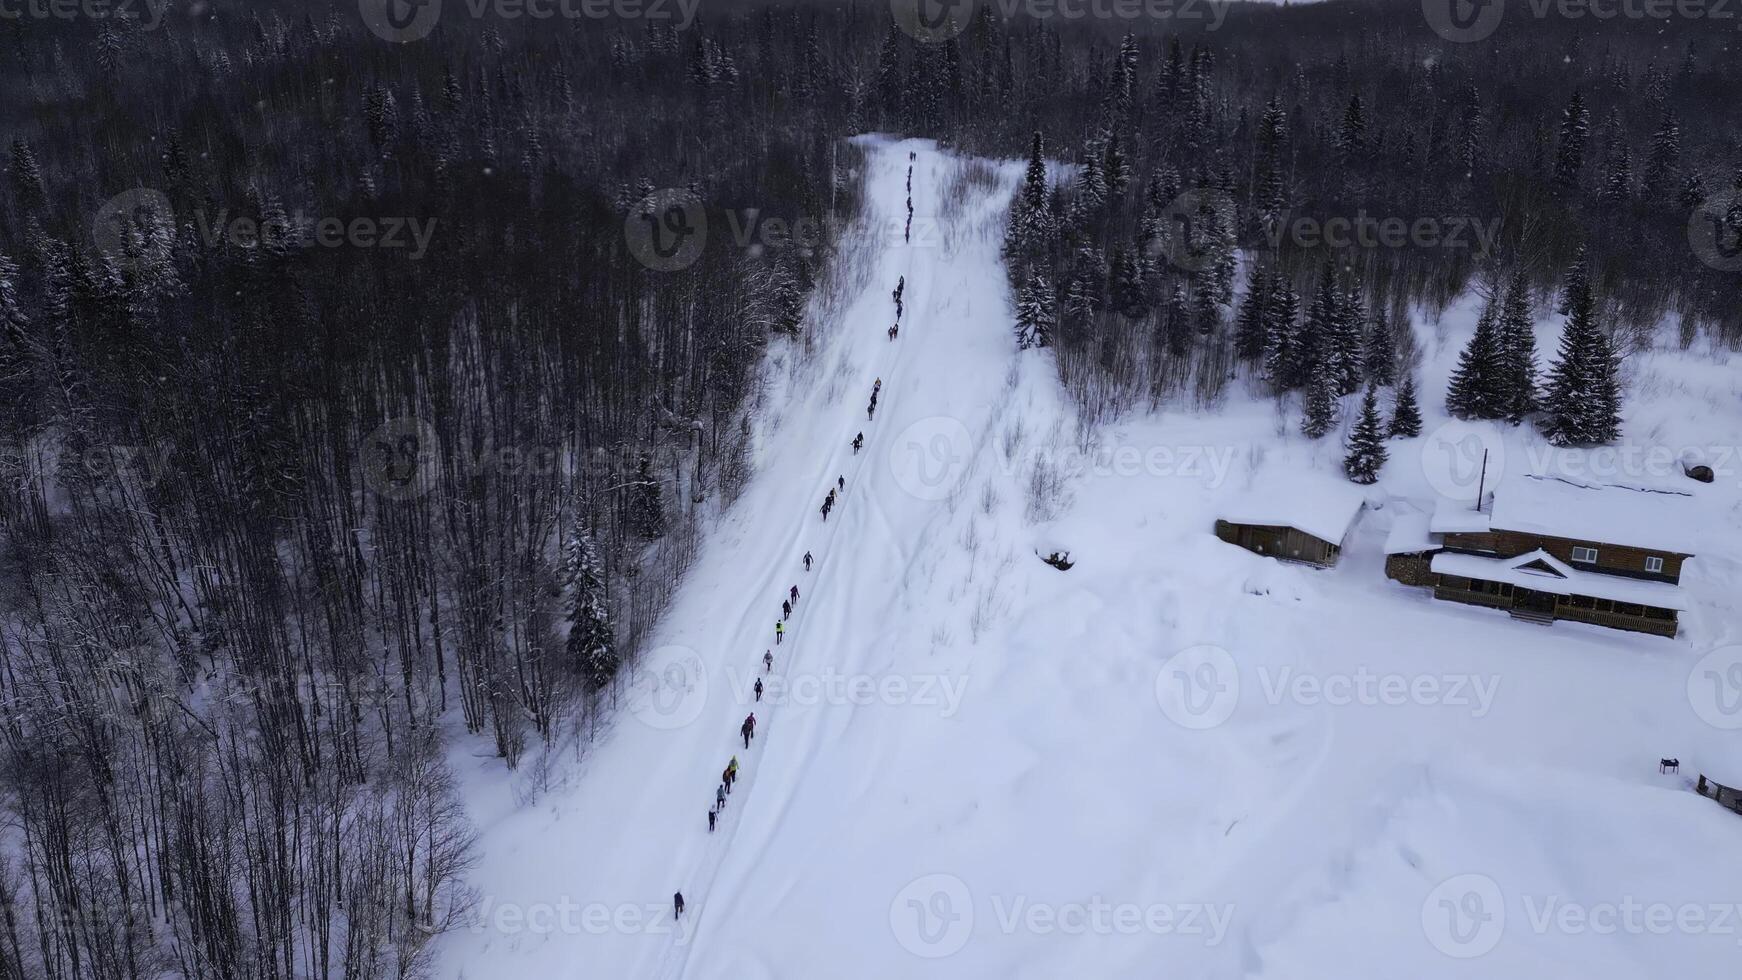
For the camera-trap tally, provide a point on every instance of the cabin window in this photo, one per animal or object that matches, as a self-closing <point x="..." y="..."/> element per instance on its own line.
<point x="1584" y="554"/>
<point x="1581" y="601"/>
<point x="1653" y="563"/>
<point x="1454" y="582"/>
<point x="1604" y="605"/>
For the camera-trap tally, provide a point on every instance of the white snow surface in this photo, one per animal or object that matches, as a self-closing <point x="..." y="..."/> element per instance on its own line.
<point x="1175" y="759"/>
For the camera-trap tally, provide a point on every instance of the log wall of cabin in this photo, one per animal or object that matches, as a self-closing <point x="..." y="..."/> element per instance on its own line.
<point x="1612" y="559"/>
<point x="1410" y="569"/>
<point x="1278" y="542"/>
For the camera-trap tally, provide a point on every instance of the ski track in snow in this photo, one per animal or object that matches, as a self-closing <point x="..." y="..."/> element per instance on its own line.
<point x="871" y="355"/>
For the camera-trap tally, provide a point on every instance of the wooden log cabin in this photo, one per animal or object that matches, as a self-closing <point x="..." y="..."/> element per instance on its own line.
<point x="1545" y="549"/>
<point x="1304" y="521"/>
<point x="1719" y="781"/>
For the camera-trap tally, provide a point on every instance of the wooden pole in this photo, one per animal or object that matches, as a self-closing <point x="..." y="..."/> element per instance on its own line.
<point x="1482" y="482"/>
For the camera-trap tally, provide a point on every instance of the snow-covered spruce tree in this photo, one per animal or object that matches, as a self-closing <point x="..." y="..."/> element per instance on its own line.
<point x="1618" y="183"/>
<point x="1206" y="312"/>
<point x="1176" y="321"/>
<point x="27" y="176"/>
<point x="1352" y="134"/>
<point x="1249" y="322"/>
<point x="1405" y="413"/>
<point x="1367" y="453"/>
<point x="1034" y="313"/>
<point x="889" y="76"/>
<point x="592" y="643"/>
<point x="1085" y="291"/>
<point x="1269" y="189"/>
<point x="1666" y="153"/>
<point x="646" y="503"/>
<point x="1116" y="106"/>
<point x="1031" y="228"/>
<point x="1128" y="293"/>
<point x="1321" y="405"/>
<point x="1569" y="156"/>
<point x="1317" y="328"/>
<point x="1279" y="332"/>
<point x="1731" y="232"/>
<point x="1517" y="351"/>
<point x="1478" y="388"/>
<point x="1582" y="401"/>
<point x="1153" y="229"/>
<point x="1225" y="265"/>
<point x="1091" y="189"/>
<point x="14" y="338"/>
<point x="1379" y="360"/>
<point x="1116" y="167"/>
<point x="1344" y="352"/>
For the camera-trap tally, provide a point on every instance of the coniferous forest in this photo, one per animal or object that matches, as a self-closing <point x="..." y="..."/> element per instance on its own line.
<point x="345" y="424"/>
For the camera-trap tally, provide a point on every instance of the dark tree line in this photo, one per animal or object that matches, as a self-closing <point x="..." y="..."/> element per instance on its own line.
<point x="274" y="511"/>
<point x="1573" y="141"/>
<point x="274" y="507"/>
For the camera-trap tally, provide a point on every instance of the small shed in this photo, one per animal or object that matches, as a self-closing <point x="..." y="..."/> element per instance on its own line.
<point x="1302" y="520"/>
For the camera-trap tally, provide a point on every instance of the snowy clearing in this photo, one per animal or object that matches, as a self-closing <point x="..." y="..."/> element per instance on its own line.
<point x="1177" y="757"/>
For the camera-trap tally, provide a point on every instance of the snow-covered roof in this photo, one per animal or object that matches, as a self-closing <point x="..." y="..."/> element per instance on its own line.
<point x="1458" y="517"/>
<point x="1410" y="535"/>
<point x="1543" y="572"/>
<point x="1322" y="507"/>
<point x="1639" y="517"/>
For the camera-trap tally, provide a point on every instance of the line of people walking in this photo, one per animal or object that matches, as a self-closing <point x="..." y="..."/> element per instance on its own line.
<point x="907" y="236"/>
<point x="747" y="728"/>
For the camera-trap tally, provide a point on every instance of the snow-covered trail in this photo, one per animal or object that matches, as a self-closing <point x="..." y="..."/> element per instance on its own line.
<point x="947" y="365"/>
<point x="631" y="828"/>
